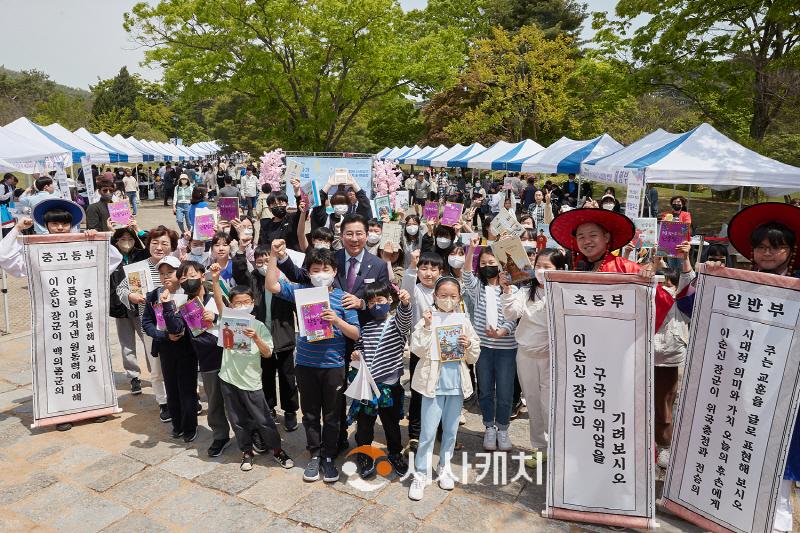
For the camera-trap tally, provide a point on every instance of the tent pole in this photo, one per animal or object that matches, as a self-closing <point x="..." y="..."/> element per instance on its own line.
<point x="741" y="197"/>
<point x="689" y="201"/>
<point x="641" y="198"/>
<point x="5" y="302"/>
<point x="579" y="198"/>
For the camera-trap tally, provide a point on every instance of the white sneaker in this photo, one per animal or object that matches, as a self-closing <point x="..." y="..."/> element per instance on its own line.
<point x="490" y="439"/>
<point x="417" y="489"/>
<point x="503" y="441"/>
<point x="663" y="458"/>
<point x="446" y="481"/>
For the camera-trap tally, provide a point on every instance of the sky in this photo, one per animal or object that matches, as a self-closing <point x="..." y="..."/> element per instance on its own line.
<point x="78" y="42"/>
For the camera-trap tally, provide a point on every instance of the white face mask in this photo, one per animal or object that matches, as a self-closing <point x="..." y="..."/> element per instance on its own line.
<point x="321" y="279"/>
<point x="340" y="209"/>
<point x="248" y="308"/>
<point x="608" y="207"/>
<point x="455" y="261"/>
<point x="540" y="276"/>
<point x="443" y="242"/>
<point x="198" y="250"/>
<point x="373" y="238"/>
<point x="322" y="246"/>
<point x="445" y="304"/>
<point x="412" y="230"/>
<point x="262" y="270"/>
<point x="248" y="232"/>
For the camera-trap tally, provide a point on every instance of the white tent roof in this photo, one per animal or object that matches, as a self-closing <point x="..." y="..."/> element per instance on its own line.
<point x="5" y="166"/>
<point x="88" y="136"/>
<point x="25" y="128"/>
<point x="28" y="155"/>
<point x="522" y="149"/>
<point x="424" y="159"/>
<point x="702" y="156"/>
<point x="461" y="160"/>
<point x="382" y="153"/>
<point x="442" y="159"/>
<point x="485" y="159"/>
<point x="134" y="156"/>
<point x="170" y="148"/>
<point x="566" y="155"/>
<point x="413" y="153"/>
<point x="138" y="145"/>
<point x="147" y="155"/>
<point x="185" y="151"/>
<point x="154" y="147"/>
<point x="95" y="151"/>
<point x="394" y="152"/>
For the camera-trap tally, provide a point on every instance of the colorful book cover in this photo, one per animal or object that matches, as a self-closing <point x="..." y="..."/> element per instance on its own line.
<point x="506" y="223"/>
<point x="228" y="208"/>
<point x="158" y="310"/>
<point x="447" y="340"/>
<point x="204" y="226"/>
<point x="513" y="258"/>
<point x="401" y="201"/>
<point x="120" y="213"/>
<point x="670" y="236"/>
<point x="451" y="215"/>
<point x="392" y="232"/>
<point x="192" y="314"/>
<point x="231" y="333"/>
<point x="383" y="206"/>
<point x="137" y="278"/>
<point x="312" y="194"/>
<point x="431" y="211"/>
<point x="315" y="326"/>
<point x="646" y="232"/>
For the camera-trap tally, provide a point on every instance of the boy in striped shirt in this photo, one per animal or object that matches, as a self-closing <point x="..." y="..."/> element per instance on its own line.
<point x="319" y="365"/>
<point x="381" y="349"/>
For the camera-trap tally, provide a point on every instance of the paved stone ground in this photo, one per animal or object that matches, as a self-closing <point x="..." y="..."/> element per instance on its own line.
<point x="126" y="474"/>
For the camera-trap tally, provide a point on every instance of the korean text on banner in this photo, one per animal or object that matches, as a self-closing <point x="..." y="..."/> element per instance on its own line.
<point x="86" y="166"/>
<point x="633" y="198"/>
<point x="739" y="401"/>
<point x="71" y="358"/>
<point x="600" y="454"/>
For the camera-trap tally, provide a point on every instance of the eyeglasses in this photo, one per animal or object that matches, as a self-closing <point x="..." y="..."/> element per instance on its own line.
<point x="770" y="249"/>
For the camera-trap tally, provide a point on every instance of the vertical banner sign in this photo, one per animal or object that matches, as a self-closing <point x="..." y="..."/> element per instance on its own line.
<point x="739" y="401"/>
<point x="633" y="198"/>
<point x="61" y="180"/>
<point x="86" y="165"/>
<point x="600" y="455"/>
<point x="71" y="358"/>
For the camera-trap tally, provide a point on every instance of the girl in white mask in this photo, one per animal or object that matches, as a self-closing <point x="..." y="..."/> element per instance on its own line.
<point x="533" y="352"/>
<point x="455" y="261"/>
<point x="412" y="237"/>
<point x="443" y="381"/>
<point x="374" y="234"/>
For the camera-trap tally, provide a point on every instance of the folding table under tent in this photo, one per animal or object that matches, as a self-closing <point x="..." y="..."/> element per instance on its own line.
<point x="460" y="160"/>
<point x="29" y="156"/>
<point x="94" y="151"/>
<point x="28" y="130"/>
<point x="424" y="160"/>
<point x="566" y="155"/>
<point x="701" y="156"/>
<point x="441" y="159"/>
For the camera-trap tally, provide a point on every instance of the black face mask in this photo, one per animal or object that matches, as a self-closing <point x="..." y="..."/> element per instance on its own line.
<point x="278" y="211"/>
<point x="191" y="286"/>
<point x="489" y="272"/>
<point x="676" y="207"/>
<point x="106" y="197"/>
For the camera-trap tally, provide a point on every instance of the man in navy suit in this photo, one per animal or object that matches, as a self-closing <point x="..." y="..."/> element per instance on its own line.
<point x="355" y="269"/>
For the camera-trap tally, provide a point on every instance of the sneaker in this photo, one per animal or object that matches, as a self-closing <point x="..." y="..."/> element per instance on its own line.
<point x="399" y="463"/>
<point x="311" y="473"/>
<point x="366" y="466"/>
<point x="503" y="441"/>
<point x="283" y="459"/>
<point x="417" y="489"/>
<point x="446" y="481"/>
<point x="515" y="411"/>
<point x="164" y="414"/>
<point x="190" y="437"/>
<point x="217" y="447"/>
<point x="462" y="420"/>
<point x="136" y="386"/>
<point x="330" y="474"/>
<point x="258" y="443"/>
<point x="663" y="458"/>
<point x="490" y="439"/>
<point x="290" y="421"/>
<point x="175" y="434"/>
<point x="247" y="461"/>
<point x="66" y="426"/>
<point x="199" y="407"/>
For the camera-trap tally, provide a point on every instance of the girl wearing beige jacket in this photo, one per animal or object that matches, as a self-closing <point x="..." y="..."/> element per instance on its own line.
<point x="442" y="383"/>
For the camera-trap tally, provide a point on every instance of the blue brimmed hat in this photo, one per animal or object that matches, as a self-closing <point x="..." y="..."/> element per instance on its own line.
<point x="58" y="203"/>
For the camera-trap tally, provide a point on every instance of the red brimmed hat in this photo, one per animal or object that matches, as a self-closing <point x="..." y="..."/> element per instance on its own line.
<point x="748" y="219"/>
<point x="563" y="227"/>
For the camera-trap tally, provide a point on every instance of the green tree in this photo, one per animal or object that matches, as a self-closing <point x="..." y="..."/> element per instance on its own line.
<point x="554" y="17"/>
<point x="115" y="120"/>
<point x="21" y="92"/>
<point x="735" y="61"/>
<point x="117" y="92"/>
<point x="307" y="70"/>
<point x="72" y="112"/>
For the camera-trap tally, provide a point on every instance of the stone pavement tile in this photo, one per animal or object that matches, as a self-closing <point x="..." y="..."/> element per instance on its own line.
<point x="229" y="478"/>
<point x="11" y="521"/>
<point x="431" y="528"/>
<point x="70" y="508"/>
<point x="136" y="523"/>
<point x="326" y="509"/>
<point x="145" y="488"/>
<point x="233" y="515"/>
<point x="6" y="386"/>
<point x="515" y="519"/>
<point x="395" y="496"/>
<point x="191" y="463"/>
<point x="281" y="525"/>
<point x="44" y="453"/>
<point x="280" y="490"/>
<point x="186" y="506"/>
<point x="20" y="377"/>
<point x="108" y="471"/>
<point x="352" y="484"/>
<point x="154" y="452"/>
<point x="17" y="491"/>
<point x="379" y="518"/>
<point x="507" y="492"/>
<point x="463" y="512"/>
<point x="532" y="497"/>
<point x="76" y="457"/>
<point x="13" y="432"/>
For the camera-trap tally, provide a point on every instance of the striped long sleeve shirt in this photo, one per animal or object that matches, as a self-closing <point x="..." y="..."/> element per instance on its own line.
<point x="383" y="352"/>
<point x="477" y="291"/>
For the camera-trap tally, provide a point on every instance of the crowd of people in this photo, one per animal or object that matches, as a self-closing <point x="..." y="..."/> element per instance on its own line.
<point x="384" y="297"/>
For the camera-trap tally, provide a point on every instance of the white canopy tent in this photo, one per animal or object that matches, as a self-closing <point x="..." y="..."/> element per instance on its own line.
<point x="134" y="156"/>
<point x="94" y="151"/>
<point x="413" y="154"/>
<point x="28" y="155"/>
<point x="170" y="148"/>
<point x="27" y="129"/>
<point x="154" y="147"/>
<point x="461" y="160"/>
<point x="484" y="159"/>
<point x="522" y="149"/>
<point x="157" y="155"/>
<point x="382" y="153"/>
<point x="702" y="156"/>
<point x="147" y="156"/>
<point x="424" y="160"/>
<point x="566" y="155"/>
<point x="442" y="159"/>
